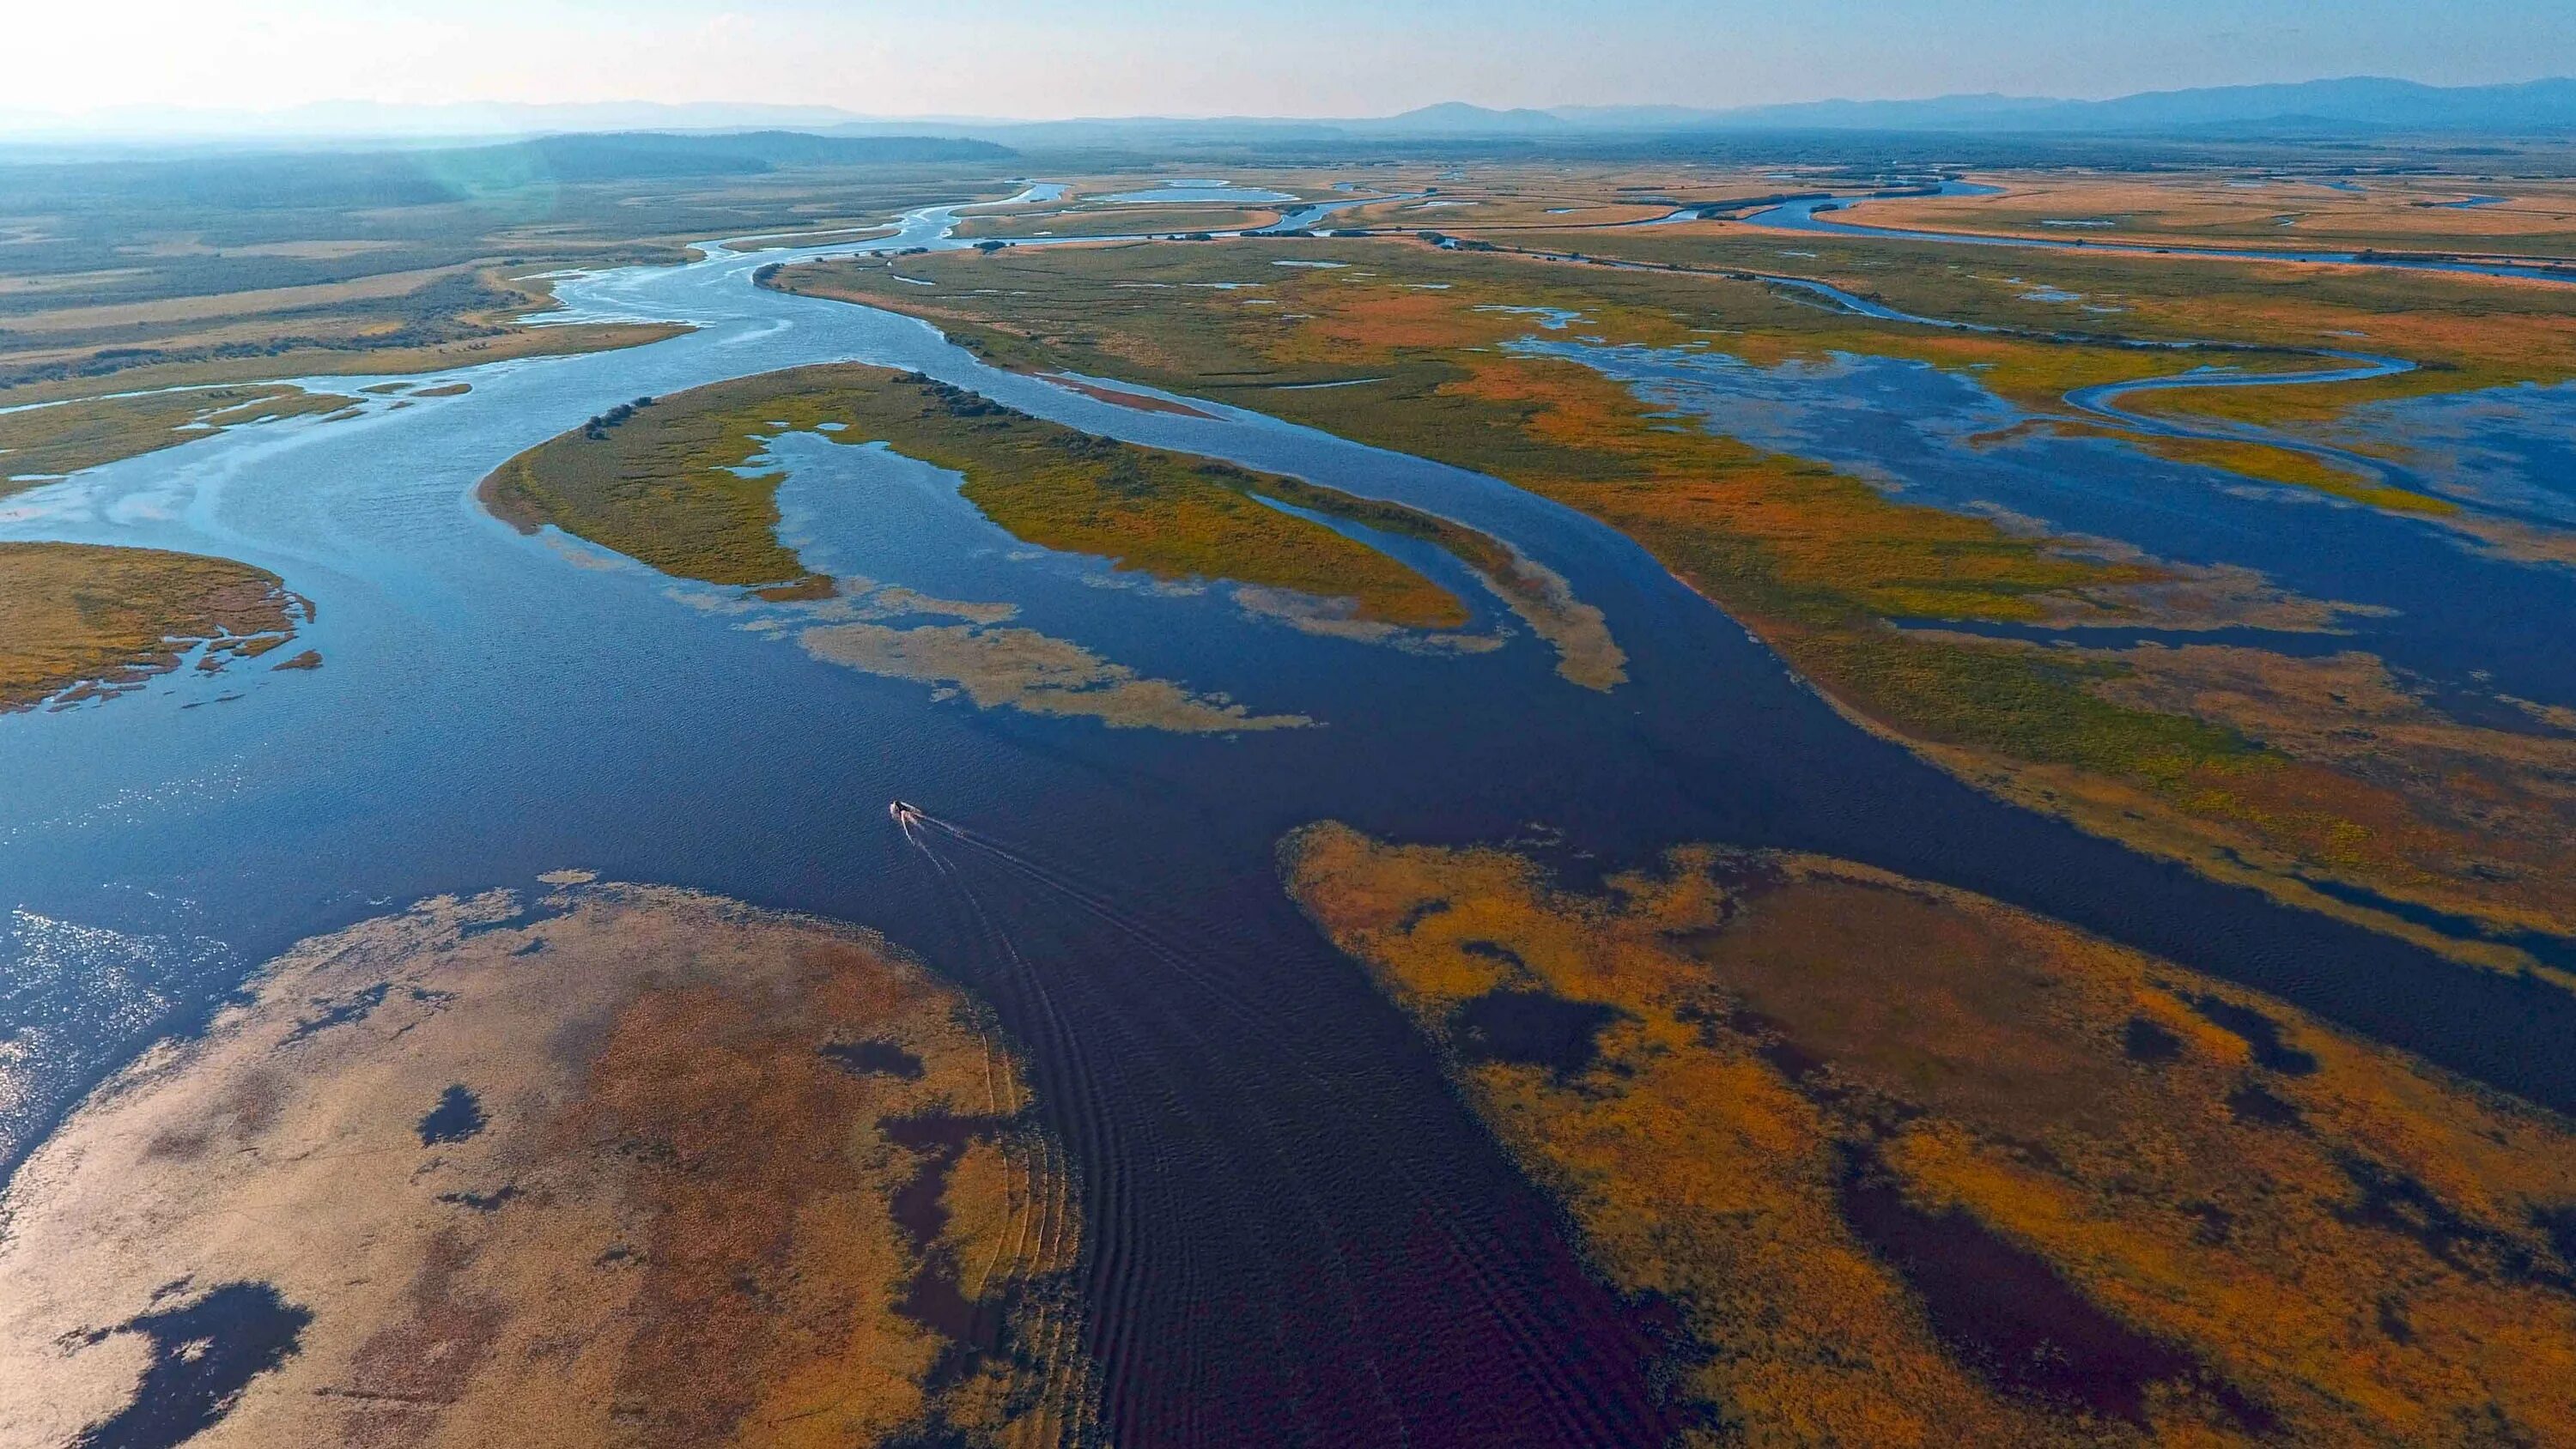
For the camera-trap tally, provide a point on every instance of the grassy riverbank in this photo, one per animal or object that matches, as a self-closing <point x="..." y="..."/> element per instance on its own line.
<point x="2237" y="780"/>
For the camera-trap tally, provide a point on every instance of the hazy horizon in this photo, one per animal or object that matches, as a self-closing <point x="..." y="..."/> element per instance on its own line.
<point x="1055" y="59"/>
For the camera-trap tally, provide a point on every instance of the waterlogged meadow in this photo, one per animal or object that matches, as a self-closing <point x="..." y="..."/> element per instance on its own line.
<point x="80" y="623"/>
<point x="1943" y="527"/>
<point x="606" y="1159"/>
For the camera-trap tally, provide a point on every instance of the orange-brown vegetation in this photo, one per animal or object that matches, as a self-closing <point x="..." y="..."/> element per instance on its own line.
<point x="1912" y="1167"/>
<point x="2460" y="331"/>
<point x="690" y="1174"/>
<point x="2285" y="213"/>
<point x="2418" y="796"/>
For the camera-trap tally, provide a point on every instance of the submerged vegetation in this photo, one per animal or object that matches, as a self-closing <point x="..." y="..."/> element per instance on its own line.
<point x="1836" y="573"/>
<point x="1907" y="1166"/>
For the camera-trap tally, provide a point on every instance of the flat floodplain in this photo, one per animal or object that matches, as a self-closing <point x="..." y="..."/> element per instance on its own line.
<point x="1911" y="858"/>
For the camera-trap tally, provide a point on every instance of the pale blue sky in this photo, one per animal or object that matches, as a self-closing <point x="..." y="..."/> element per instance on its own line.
<point x="1291" y="57"/>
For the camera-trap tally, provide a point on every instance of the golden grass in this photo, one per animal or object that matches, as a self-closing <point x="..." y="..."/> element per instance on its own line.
<point x="397" y="360"/>
<point x="2462" y="332"/>
<point x="168" y="310"/>
<point x="49" y="441"/>
<point x="2290" y="466"/>
<point x="1917" y="1168"/>
<point x="1118" y="219"/>
<point x="79" y="614"/>
<point x="2390" y="213"/>
<point x="402" y="322"/>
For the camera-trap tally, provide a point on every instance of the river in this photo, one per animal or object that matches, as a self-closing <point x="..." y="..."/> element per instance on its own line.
<point x="1297" y="1233"/>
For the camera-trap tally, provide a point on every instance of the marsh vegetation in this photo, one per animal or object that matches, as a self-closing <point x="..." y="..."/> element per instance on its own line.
<point x="79" y="621"/>
<point x="1419" y="344"/>
<point x="1911" y="1167"/>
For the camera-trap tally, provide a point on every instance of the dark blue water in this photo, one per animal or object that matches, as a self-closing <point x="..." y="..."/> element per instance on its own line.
<point x="1296" y="1233"/>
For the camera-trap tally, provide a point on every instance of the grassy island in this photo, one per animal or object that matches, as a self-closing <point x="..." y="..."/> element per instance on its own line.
<point x="78" y="620"/>
<point x="605" y="1164"/>
<point x="658" y="483"/>
<point x="1906" y="1166"/>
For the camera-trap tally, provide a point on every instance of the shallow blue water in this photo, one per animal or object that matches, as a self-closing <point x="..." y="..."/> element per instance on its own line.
<point x="2469" y="623"/>
<point x="2508" y="448"/>
<point x="1296" y="1230"/>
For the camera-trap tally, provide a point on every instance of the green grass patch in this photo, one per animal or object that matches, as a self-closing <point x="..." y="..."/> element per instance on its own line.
<point x="667" y="484"/>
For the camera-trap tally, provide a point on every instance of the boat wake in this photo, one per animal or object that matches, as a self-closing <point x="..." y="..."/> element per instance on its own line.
<point x="1108" y="1017"/>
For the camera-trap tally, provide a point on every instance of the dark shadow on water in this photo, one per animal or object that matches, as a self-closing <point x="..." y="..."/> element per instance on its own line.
<point x="329" y="1012"/>
<point x="2144" y="1041"/>
<point x="203" y="1355"/>
<point x="936" y="1298"/>
<point x="872" y="1058"/>
<point x="2260" y="1033"/>
<point x="2395" y="1201"/>
<point x="1530" y="1028"/>
<point x="2253" y="1102"/>
<point x="458" y="1115"/>
<point x="2007" y="1315"/>
<point x="481" y="1202"/>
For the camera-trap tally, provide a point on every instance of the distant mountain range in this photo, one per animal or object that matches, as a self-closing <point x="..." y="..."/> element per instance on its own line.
<point x="2359" y="105"/>
<point x="2354" y="103"/>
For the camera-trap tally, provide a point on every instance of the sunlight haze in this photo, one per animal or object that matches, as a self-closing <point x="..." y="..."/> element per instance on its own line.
<point x="1050" y="58"/>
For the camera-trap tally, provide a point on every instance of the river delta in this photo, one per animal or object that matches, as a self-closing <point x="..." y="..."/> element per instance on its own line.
<point x="1828" y="815"/>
